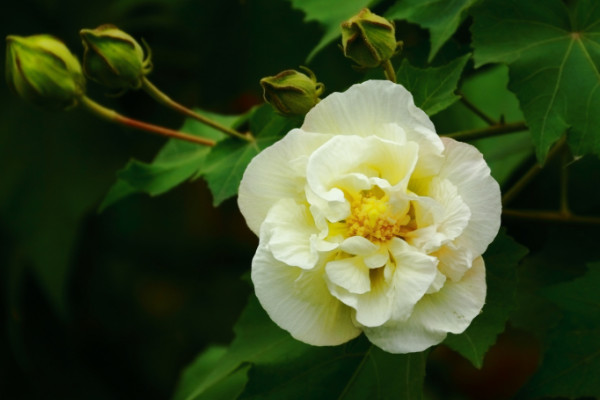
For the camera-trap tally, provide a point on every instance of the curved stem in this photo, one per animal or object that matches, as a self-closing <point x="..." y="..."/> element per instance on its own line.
<point x="388" y="70"/>
<point x="467" y="103"/>
<point x="494" y="130"/>
<point x="113" y="116"/>
<point x="165" y="100"/>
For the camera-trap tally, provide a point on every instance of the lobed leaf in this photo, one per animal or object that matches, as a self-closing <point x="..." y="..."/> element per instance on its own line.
<point x="553" y="52"/>
<point x="432" y="88"/>
<point x="440" y="17"/>
<point x="330" y="16"/>
<point x="175" y="163"/>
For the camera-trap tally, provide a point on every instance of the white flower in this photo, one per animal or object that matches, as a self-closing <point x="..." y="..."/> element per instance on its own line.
<point x="370" y="222"/>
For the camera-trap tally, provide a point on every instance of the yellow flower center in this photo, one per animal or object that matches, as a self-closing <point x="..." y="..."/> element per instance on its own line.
<point x="371" y="217"/>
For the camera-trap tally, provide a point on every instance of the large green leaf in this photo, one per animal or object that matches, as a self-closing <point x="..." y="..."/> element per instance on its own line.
<point x="330" y="16"/>
<point x="501" y="261"/>
<point x="441" y="17"/>
<point x="280" y="367"/>
<point x="175" y="163"/>
<point x="432" y="88"/>
<point x="227" y="161"/>
<point x="571" y="364"/>
<point x="554" y="57"/>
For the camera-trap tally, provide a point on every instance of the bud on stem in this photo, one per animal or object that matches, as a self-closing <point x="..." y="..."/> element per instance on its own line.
<point x="291" y="92"/>
<point x="42" y="70"/>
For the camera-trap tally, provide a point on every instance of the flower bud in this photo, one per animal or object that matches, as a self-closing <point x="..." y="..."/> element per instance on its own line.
<point x="113" y="58"/>
<point x="368" y="39"/>
<point x="291" y="92"/>
<point x="41" y="69"/>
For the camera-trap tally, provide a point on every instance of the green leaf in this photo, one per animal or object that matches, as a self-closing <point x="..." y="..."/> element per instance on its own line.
<point x="257" y="340"/>
<point x="501" y="259"/>
<point x="329" y="16"/>
<point x="228" y="388"/>
<point x="432" y="88"/>
<point x="356" y="370"/>
<point x="176" y="162"/>
<point x="554" y="56"/>
<point x="227" y="161"/>
<point x="441" y="17"/>
<point x="281" y="367"/>
<point x="571" y="364"/>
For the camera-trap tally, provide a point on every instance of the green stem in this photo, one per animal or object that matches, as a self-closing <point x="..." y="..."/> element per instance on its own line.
<point x="551" y="216"/>
<point x="388" y="70"/>
<point x="529" y="175"/>
<point x="165" y="100"/>
<point x="113" y="116"/>
<point x="494" y="130"/>
<point x="489" y="120"/>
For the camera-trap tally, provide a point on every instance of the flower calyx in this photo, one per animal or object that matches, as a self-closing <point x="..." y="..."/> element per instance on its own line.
<point x="368" y="39"/>
<point x="42" y="70"/>
<point x="114" y="58"/>
<point x="292" y="92"/>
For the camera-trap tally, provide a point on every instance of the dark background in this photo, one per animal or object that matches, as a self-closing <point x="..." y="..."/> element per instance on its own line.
<point x="113" y="305"/>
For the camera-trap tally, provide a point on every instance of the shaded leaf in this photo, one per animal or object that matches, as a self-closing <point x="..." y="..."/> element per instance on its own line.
<point x="554" y="57"/>
<point x="330" y="16"/>
<point x="501" y="259"/>
<point x="432" y="88"/>
<point x="175" y="163"/>
<point x="227" y="161"/>
<point x="440" y="17"/>
<point x="226" y="389"/>
<point x="571" y="364"/>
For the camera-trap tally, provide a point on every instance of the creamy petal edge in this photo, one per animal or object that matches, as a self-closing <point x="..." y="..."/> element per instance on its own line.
<point x="299" y="302"/>
<point x="276" y="172"/>
<point x="450" y="310"/>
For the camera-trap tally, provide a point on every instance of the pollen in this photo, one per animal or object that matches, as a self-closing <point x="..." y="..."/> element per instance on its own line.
<point x="371" y="217"/>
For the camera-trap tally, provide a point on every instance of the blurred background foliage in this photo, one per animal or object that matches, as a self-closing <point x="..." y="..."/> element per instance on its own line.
<point x="114" y="305"/>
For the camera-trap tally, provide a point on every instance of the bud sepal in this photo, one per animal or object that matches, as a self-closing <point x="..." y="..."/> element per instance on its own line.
<point x="292" y="92"/>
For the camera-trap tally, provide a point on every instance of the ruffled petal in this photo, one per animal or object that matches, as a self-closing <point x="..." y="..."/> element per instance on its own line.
<point x="414" y="274"/>
<point x="466" y="169"/>
<point x="275" y="173"/>
<point x="290" y="233"/>
<point x="449" y="310"/>
<point x="332" y="165"/>
<point x="299" y="301"/>
<point x="349" y="273"/>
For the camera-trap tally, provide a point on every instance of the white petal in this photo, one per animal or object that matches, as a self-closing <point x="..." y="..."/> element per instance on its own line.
<point x="299" y="302"/>
<point x="437" y="283"/>
<point x="456" y="212"/>
<point x="276" y="173"/>
<point x="290" y="233"/>
<point x="454" y="261"/>
<point x="331" y="166"/>
<point x="414" y="274"/>
<point x="466" y="169"/>
<point x="450" y="310"/>
<point x="453" y="308"/>
<point x="379" y="108"/>
<point x="364" y="108"/>
<point x="403" y="337"/>
<point x="359" y="245"/>
<point x="349" y="273"/>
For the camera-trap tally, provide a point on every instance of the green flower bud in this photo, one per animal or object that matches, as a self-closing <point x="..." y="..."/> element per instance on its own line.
<point x="113" y="58"/>
<point x="291" y="92"/>
<point x="41" y="69"/>
<point x="368" y="39"/>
